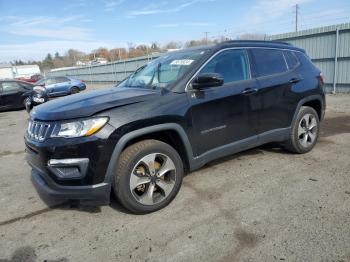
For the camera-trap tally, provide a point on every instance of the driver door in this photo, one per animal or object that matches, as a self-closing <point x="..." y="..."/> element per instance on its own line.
<point x="225" y="114"/>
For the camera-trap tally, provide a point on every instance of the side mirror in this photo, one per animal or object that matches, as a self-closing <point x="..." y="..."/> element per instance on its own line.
<point x="207" y="80"/>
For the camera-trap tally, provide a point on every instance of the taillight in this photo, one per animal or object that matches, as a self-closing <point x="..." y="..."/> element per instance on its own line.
<point x="322" y="78"/>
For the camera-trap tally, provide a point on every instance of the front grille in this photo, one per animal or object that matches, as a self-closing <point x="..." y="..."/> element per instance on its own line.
<point x="38" y="131"/>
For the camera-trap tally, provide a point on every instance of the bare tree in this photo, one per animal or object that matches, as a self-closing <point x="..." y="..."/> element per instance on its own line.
<point x="252" y="36"/>
<point x="173" y="45"/>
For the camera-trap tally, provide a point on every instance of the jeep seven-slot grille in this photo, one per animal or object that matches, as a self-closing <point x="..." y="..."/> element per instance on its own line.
<point x="38" y="131"/>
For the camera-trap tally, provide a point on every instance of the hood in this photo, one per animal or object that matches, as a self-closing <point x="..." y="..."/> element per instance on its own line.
<point x="89" y="103"/>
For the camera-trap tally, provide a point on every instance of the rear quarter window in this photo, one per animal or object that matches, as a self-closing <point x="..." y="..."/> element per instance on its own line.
<point x="291" y="59"/>
<point x="269" y="61"/>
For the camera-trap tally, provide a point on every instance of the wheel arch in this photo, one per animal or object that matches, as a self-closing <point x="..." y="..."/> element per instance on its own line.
<point x="314" y="101"/>
<point x="168" y="133"/>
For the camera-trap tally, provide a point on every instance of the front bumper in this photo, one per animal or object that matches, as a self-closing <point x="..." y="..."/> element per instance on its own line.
<point x="47" y="188"/>
<point x="72" y="169"/>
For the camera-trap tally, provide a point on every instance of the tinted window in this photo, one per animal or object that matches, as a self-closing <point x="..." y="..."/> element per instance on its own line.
<point x="269" y="61"/>
<point x="231" y="64"/>
<point x="61" y="79"/>
<point x="26" y="85"/>
<point x="291" y="59"/>
<point x="10" y="86"/>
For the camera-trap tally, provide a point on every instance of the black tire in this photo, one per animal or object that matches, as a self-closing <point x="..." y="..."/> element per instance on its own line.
<point x="129" y="161"/>
<point x="74" y="90"/>
<point x="296" y="142"/>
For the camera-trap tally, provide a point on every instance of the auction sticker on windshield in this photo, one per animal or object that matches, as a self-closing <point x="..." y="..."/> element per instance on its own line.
<point x="182" y="62"/>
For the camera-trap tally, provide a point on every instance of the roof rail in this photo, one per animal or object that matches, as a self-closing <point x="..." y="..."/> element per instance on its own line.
<point x="256" y="41"/>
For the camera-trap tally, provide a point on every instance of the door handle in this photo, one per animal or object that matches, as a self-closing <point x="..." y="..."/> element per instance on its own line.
<point x="294" y="80"/>
<point x="249" y="91"/>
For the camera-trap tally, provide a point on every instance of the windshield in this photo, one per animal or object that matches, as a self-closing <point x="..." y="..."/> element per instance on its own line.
<point x="163" y="71"/>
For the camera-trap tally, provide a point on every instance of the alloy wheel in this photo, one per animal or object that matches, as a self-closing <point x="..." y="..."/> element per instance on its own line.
<point x="307" y="130"/>
<point x="153" y="178"/>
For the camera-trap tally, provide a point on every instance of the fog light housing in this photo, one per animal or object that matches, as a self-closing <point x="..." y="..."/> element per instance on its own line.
<point x="72" y="168"/>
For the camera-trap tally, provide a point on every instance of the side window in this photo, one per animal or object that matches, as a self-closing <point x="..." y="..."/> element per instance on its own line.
<point x="10" y="86"/>
<point x="27" y="86"/>
<point x="61" y="79"/>
<point x="231" y="64"/>
<point x="269" y="61"/>
<point x="291" y="59"/>
<point x="50" y="81"/>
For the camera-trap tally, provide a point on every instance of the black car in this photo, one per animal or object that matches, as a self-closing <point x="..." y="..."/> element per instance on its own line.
<point x="174" y="115"/>
<point x="13" y="94"/>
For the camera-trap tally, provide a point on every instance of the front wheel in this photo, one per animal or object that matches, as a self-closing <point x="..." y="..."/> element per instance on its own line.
<point x="148" y="177"/>
<point x="305" y="131"/>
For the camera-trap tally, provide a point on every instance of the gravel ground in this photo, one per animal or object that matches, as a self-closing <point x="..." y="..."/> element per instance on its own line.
<point x="260" y="205"/>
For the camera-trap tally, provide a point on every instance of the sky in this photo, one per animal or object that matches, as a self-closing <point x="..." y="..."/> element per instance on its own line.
<point x="31" y="29"/>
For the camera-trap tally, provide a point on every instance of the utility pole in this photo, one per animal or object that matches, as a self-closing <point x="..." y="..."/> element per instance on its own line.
<point x="206" y="37"/>
<point x="296" y="17"/>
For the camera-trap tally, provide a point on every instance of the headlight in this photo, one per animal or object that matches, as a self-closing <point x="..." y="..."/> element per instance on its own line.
<point x="79" y="128"/>
<point x="38" y="99"/>
<point x="39" y="88"/>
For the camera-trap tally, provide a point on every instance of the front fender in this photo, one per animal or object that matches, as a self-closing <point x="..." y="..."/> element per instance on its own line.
<point x="140" y="132"/>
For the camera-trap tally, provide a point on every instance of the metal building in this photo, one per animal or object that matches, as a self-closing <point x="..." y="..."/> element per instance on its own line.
<point x="329" y="49"/>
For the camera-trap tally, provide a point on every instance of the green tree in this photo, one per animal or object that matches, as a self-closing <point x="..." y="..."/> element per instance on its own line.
<point x="47" y="63"/>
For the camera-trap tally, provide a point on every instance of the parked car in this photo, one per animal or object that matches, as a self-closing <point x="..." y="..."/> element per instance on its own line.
<point x="171" y="117"/>
<point x="14" y="94"/>
<point x="38" y="96"/>
<point x="61" y="85"/>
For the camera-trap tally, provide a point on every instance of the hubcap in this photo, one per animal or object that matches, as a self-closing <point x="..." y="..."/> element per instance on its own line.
<point x="307" y="130"/>
<point x="152" y="178"/>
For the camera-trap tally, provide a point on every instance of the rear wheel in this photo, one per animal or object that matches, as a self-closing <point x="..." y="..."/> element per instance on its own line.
<point x="148" y="177"/>
<point x="304" y="132"/>
<point x="74" y="90"/>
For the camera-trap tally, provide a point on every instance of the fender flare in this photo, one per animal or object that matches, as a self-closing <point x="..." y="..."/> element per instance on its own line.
<point x="303" y="101"/>
<point x="137" y="133"/>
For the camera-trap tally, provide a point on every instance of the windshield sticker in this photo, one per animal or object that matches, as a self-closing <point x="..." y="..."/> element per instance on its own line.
<point x="182" y="62"/>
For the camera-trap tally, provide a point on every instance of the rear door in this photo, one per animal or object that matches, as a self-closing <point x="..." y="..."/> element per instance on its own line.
<point x="11" y="95"/>
<point x="62" y="84"/>
<point x="275" y="82"/>
<point x="225" y="114"/>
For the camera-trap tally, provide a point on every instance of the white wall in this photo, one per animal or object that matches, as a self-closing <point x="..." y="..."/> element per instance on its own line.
<point x="26" y="70"/>
<point x="6" y="72"/>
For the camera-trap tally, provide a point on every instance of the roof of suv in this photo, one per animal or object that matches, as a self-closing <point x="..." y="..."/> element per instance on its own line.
<point x="257" y="43"/>
<point x="244" y="43"/>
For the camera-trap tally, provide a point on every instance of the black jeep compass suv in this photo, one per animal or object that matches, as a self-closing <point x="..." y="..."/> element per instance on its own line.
<point x="172" y="116"/>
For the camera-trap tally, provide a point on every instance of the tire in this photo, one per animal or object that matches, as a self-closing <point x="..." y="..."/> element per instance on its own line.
<point x="74" y="90"/>
<point x="25" y="104"/>
<point x="148" y="176"/>
<point x="305" y="131"/>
